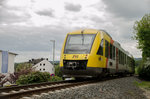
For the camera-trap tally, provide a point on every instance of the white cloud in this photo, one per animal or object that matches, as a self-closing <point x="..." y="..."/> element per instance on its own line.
<point x="127" y="8"/>
<point x="19" y="3"/>
<point x="24" y="56"/>
<point x="48" y="13"/>
<point x="27" y="26"/>
<point x="131" y="47"/>
<point x="72" y="7"/>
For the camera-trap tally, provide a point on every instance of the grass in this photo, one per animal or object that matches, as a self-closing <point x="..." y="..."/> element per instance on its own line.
<point x="143" y="84"/>
<point x="136" y="70"/>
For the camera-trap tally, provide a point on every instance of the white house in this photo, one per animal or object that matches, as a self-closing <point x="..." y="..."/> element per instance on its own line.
<point x="7" y="62"/>
<point x="44" y="66"/>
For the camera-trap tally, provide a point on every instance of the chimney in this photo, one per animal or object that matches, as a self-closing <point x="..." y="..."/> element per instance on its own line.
<point x="42" y="58"/>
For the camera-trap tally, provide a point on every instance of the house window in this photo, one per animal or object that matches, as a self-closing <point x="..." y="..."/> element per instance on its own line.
<point x="43" y="64"/>
<point x="40" y="69"/>
<point x="44" y="69"/>
<point x="40" y="64"/>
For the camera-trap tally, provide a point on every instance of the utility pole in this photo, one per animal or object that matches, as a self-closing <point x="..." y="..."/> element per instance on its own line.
<point x="53" y="41"/>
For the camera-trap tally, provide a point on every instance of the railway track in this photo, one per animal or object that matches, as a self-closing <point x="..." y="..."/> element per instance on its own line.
<point x="17" y="92"/>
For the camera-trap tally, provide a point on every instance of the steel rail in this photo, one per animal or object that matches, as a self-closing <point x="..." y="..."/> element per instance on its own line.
<point x="19" y="94"/>
<point x="7" y="89"/>
<point x="29" y="90"/>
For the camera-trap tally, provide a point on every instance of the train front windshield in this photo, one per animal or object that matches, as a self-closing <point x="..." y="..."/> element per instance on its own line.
<point x="79" y="43"/>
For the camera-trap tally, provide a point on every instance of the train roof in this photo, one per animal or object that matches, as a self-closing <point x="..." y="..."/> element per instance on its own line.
<point x="89" y="31"/>
<point x="106" y="33"/>
<point x="120" y="48"/>
<point x="86" y="31"/>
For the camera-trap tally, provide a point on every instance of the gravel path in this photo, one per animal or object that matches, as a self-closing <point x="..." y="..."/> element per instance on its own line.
<point x="123" y="88"/>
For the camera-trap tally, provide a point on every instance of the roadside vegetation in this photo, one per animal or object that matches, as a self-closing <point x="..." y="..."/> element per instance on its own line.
<point x="142" y="35"/>
<point x="22" y="66"/>
<point x="143" y="84"/>
<point x="57" y="71"/>
<point x="138" y="63"/>
<point x="35" y="76"/>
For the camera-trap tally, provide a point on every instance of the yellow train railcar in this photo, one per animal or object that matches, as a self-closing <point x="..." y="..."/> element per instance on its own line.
<point x="92" y="53"/>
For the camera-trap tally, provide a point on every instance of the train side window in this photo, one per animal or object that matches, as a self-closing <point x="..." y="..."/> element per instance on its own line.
<point x="100" y="49"/>
<point x="122" y="57"/>
<point x="125" y="59"/>
<point x="113" y="52"/>
<point x="111" y="49"/>
<point x="119" y="57"/>
<point x="106" y="48"/>
<point x="128" y="60"/>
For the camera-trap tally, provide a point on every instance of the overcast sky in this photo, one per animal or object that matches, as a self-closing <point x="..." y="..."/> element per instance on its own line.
<point x="27" y="26"/>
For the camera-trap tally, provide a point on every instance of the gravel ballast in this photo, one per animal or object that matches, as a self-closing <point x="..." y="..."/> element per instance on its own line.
<point x="121" y="88"/>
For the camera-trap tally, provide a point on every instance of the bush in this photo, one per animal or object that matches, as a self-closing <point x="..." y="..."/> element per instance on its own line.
<point x="144" y="72"/>
<point x="22" y="66"/>
<point x="33" y="77"/>
<point x="55" y="78"/>
<point x="136" y="70"/>
<point x="57" y="71"/>
<point x="36" y="77"/>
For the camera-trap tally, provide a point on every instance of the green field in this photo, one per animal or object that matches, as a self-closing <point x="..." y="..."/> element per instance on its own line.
<point x="143" y="84"/>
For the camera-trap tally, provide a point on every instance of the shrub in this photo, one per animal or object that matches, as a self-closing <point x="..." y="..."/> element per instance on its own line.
<point x="22" y="66"/>
<point x="143" y="84"/>
<point x="55" y="78"/>
<point x="57" y="71"/>
<point x="144" y="72"/>
<point x="33" y="77"/>
<point x="36" y="77"/>
<point x="136" y="70"/>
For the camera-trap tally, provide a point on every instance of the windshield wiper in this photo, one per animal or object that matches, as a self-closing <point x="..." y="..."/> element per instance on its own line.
<point x="82" y="37"/>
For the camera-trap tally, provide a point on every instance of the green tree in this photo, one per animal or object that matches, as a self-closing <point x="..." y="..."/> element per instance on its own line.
<point x="22" y="66"/>
<point x="142" y="35"/>
<point x="57" y="71"/>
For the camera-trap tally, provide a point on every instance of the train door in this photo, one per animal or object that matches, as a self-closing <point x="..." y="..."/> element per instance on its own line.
<point x="117" y="59"/>
<point x="100" y="54"/>
<point x="107" y="53"/>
